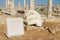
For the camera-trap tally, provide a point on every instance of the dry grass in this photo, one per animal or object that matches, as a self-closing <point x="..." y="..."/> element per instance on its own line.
<point x="33" y="34"/>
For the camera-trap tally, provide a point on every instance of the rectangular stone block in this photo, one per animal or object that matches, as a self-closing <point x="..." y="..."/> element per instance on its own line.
<point x="14" y="27"/>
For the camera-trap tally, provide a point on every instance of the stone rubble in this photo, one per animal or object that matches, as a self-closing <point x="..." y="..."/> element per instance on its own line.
<point x="33" y="17"/>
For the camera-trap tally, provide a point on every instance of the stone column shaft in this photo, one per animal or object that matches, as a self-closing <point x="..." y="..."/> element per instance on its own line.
<point x="49" y="8"/>
<point x="13" y="4"/>
<point x="31" y="4"/>
<point x="24" y="4"/>
<point x="7" y="4"/>
<point x="18" y="5"/>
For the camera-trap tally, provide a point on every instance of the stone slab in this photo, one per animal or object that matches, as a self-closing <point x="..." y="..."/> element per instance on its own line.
<point x="14" y="27"/>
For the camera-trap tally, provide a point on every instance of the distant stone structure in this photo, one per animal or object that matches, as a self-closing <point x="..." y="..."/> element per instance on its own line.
<point x="58" y="7"/>
<point x="49" y="8"/>
<point x="10" y="7"/>
<point x="31" y="4"/>
<point x="9" y="3"/>
<point x="24" y="4"/>
<point x="19" y="7"/>
<point x="27" y="7"/>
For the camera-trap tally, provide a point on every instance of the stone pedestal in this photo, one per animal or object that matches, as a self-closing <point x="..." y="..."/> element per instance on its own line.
<point x="14" y="27"/>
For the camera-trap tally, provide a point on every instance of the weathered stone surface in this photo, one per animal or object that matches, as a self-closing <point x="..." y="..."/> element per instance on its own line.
<point x="14" y="27"/>
<point x="49" y="8"/>
<point x="31" y="4"/>
<point x="33" y="17"/>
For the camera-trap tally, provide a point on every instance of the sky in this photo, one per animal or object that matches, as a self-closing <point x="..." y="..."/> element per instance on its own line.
<point x="42" y="2"/>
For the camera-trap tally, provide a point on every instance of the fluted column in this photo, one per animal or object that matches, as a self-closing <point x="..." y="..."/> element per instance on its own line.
<point x="49" y="8"/>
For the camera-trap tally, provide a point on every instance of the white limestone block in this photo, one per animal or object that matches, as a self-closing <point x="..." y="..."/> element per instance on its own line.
<point x="33" y="17"/>
<point x="14" y="27"/>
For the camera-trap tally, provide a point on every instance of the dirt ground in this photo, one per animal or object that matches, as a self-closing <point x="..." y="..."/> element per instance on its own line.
<point x="34" y="34"/>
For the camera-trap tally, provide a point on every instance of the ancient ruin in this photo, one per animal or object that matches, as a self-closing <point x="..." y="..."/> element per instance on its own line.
<point x="19" y="6"/>
<point x="10" y="7"/>
<point x="32" y="17"/>
<point x="24" y="4"/>
<point x="49" y="8"/>
<point x="39" y="21"/>
<point x="31" y="4"/>
<point x="9" y="4"/>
